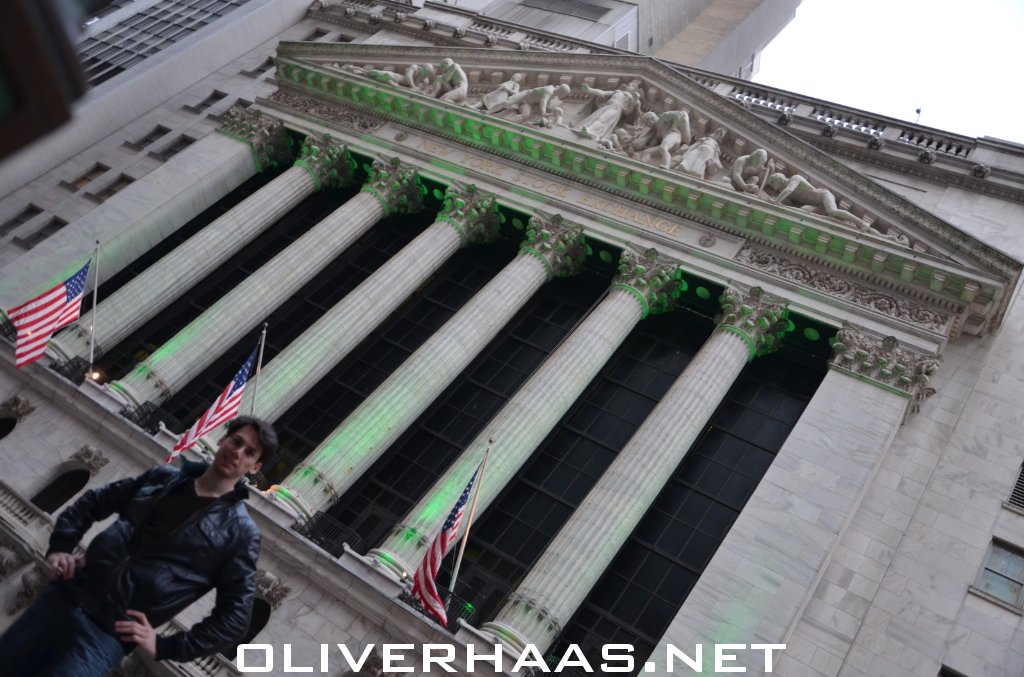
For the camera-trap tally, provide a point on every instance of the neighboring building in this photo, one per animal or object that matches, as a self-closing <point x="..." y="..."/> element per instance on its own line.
<point x="758" y="390"/>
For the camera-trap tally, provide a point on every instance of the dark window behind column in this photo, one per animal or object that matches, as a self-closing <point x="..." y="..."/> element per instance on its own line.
<point x="650" y="578"/>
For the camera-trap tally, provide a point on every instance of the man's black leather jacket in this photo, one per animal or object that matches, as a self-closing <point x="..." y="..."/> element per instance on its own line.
<point x="215" y="548"/>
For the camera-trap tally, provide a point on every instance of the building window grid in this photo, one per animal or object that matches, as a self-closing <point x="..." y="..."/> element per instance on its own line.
<point x="51" y="227"/>
<point x="1002" y="574"/>
<point x="24" y="216"/>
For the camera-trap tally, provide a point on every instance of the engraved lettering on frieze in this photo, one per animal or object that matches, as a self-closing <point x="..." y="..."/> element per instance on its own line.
<point x="839" y="287"/>
<point x="625" y="212"/>
<point x="540" y="183"/>
<point x="435" y="149"/>
<point x="322" y="110"/>
<point x="91" y="457"/>
<point x="883" y="360"/>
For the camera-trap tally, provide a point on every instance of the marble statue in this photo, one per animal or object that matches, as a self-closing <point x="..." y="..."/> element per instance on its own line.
<point x="415" y="76"/>
<point x="671" y="131"/>
<point x="630" y="139"/>
<point x="613" y="106"/>
<point x="750" y="171"/>
<point x="420" y="77"/>
<point x="451" y="83"/>
<point x="703" y="158"/>
<point x="499" y="94"/>
<point x="530" y="101"/>
<point x="800" y="191"/>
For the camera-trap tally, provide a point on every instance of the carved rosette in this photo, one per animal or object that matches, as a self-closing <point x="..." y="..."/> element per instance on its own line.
<point x="91" y="457"/>
<point x="655" y="280"/>
<point x="471" y="212"/>
<point x="756" y="316"/>
<point x="16" y="406"/>
<point x="328" y="163"/>
<point x="270" y="588"/>
<point x="885" y="362"/>
<point x="559" y="244"/>
<point x="270" y="144"/>
<point x="396" y="186"/>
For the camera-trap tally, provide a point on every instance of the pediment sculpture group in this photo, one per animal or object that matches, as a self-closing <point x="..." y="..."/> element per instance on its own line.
<point x="616" y="120"/>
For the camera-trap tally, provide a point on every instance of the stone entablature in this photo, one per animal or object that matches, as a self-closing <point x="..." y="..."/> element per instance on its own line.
<point x="975" y="299"/>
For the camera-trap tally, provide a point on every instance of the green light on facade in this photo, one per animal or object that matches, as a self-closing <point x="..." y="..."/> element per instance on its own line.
<point x="409" y="534"/>
<point x="590" y="250"/>
<point x="468" y="608"/>
<point x="368" y="169"/>
<point x="790" y="326"/>
<point x="605" y="256"/>
<point x="517" y="223"/>
<point x="811" y="334"/>
<point x="703" y="293"/>
<point x="438" y="194"/>
<point x="683" y="285"/>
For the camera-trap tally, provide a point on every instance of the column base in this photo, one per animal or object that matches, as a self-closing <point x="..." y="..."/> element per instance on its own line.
<point x="392" y="562"/>
<point x="70" y="343"/>
<point x="536" y="624"/>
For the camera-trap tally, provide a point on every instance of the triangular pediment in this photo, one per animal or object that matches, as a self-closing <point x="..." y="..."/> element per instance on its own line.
<point x="635" y="128"/>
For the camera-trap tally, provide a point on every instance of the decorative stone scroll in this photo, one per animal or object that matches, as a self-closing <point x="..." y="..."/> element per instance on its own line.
<point x="328" y="112"/>
<point x="9" y="561"/>
<point x="472" y="212"/>
<point x="885" y="362"/>
<point x="328" y="163"/>
<point x="756" y="316"/>
<point x="654" y="279"/>
<point x="91" y="457"/>
<point x="397" y="186"/>
<point x="558" y="243"/>
<point x="270" y="588"/>
<point x="270" y="144"/>
<point x="17" y="406"/>
<point x="839" y="287"/>
<point x="32" y="582"/>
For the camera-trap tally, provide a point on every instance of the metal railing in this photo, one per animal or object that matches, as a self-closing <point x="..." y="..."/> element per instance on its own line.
<point x="330" y="534"/>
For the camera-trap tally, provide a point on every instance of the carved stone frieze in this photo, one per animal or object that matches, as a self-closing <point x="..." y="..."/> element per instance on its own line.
<point x="884" y="361"/>
<point x="654" y="279"/>
<point x="17" y="406"/>
<point x="270" y="144"/>
<point x="326" y="111"/>
<point x="472" y="212"/>
<point x="755" y="315"/>
<point x="91" y="457"/>
<point x="396" y="185"/>
<point x="839" y="287"/>
<point x="32" y="582"/>
<point x="270" y="588"/>
<point x="981" y="171"/>
<point x="329" y="163"/>
<point x="558" y="243"/>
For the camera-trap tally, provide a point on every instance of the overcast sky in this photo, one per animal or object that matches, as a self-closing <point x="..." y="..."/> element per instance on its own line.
<point x="960" y="62"/>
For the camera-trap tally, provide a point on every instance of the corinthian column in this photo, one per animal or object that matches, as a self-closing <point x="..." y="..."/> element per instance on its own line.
<point x="144" y="297"/>
<point x="468" y="216"/>
<point x="552" y="248"/>
<point x="392" y="189"/>
<point x="645" y="284"/>
<point x="750" y="325"/>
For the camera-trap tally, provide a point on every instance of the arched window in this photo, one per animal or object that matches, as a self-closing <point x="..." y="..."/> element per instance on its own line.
<point x="7" y="423"/>
<point x="61" y="489"/>
<point x="260" y="616"/>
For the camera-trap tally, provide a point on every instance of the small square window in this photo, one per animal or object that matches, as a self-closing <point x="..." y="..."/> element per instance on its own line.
<point x="24" y="216"/>
<point x="1002" y="575"/>
<point x="52" y="226"/>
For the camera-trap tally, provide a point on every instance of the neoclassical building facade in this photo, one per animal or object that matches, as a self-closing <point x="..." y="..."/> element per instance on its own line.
<point x="744" y="364"/>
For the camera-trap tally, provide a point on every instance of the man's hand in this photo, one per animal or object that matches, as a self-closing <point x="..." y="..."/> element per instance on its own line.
<point x="63" y="564"/>
<point x="138" y="632"/>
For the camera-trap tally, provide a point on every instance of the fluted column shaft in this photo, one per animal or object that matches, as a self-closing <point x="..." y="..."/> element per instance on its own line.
<point x="362" y="437"/>
<point x="195" y="347"/>
<point x="315" y="353"/>
<point x="145" y="296"/>
<point x="535" y="409"/>
<point x="585" y="546"/>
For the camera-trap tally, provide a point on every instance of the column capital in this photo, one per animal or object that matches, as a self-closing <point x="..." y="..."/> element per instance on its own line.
<point x="757" y="317"/>
<point x="265" y="135"/>
<point x="559" y="244"/>
<point x="327" y="162"/>
<point x="655" y="280"/>
<point x="471" y="212"/>
<point x="396" y="186"/>
<point x="884" y="362"/>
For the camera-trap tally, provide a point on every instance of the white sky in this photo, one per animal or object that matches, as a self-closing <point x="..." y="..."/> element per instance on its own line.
<point x="959" y="61"/>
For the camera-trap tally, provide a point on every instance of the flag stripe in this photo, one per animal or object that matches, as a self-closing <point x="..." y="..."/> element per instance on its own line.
<point x="37" y="319"/>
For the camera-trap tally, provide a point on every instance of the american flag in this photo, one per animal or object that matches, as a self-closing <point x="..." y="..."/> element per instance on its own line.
<point x="424" y="587"/>
<point x="222" y="411"/>
<point x="36" y="320"/>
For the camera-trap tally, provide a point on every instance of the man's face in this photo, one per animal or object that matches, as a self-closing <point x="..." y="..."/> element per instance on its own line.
<point x="238" y="454"/>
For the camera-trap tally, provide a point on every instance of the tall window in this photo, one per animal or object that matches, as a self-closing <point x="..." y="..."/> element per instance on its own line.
<point x="1002" y="575"/>
<point x="58" y="492"/>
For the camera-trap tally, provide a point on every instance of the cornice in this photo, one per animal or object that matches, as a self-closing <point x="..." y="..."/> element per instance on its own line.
<point x="925" y="276"/>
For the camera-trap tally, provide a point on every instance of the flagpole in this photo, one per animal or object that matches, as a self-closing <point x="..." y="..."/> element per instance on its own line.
<point x="469" y="519"/>
<point x="259" y="363"/>
<point x="95" y="294"/>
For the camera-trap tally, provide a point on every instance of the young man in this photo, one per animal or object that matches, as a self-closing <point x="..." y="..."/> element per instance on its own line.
<point x="179" y="533"/>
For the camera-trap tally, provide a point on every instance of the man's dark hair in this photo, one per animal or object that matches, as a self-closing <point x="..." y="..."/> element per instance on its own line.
<point x="264" y="432"/>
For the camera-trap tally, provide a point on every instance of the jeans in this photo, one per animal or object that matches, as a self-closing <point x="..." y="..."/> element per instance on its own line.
<point x="54" y="638"/>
